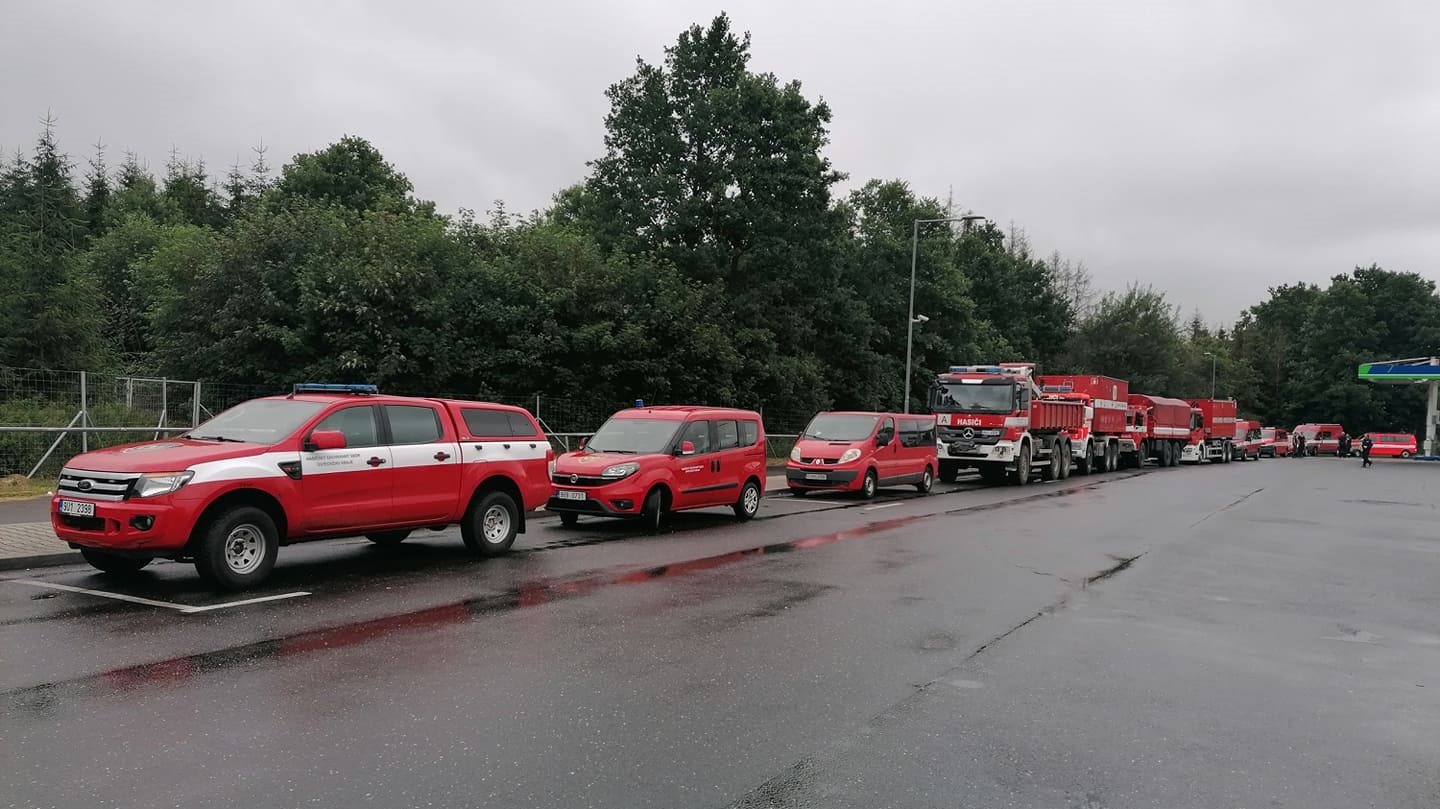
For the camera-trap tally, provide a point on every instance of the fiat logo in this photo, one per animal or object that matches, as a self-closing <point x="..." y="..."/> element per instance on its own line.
<point x="574" y="478"/>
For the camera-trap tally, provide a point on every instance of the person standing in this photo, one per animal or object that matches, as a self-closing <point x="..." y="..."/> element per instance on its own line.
<point x="1365" y="445"/>
<point x="1345" y="443"/>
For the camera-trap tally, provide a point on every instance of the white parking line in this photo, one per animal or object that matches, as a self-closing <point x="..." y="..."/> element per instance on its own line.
<point x="182" y="608"/>
<point x="885" y="505"/>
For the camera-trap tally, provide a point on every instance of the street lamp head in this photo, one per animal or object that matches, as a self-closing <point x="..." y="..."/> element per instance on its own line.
<point x="1209" y="354"/>
<point x="921" y="319"/>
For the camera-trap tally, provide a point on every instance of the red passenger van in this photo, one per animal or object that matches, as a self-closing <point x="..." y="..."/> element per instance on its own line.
<point x="863" y="451"/>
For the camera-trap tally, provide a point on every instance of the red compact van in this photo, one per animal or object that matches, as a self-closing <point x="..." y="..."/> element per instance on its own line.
<point x="862" y="452"/>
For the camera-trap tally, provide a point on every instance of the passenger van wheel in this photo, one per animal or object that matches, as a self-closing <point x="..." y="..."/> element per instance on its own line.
<point x="113" y="562"/>
<point x="489" y="528"/>
<point x="569" y="518"/>
<point x="927" y="482"/>
<point x="388" y="537"/>
<point x="652" y="514"/>
<point x="1404" y="453"/>
<point x="237" y="548"/>
<point x="749" y="503"/>
<point x="869" y="485"/>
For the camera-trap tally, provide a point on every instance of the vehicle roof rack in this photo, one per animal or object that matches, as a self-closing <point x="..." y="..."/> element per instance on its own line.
<point x="320" y="387"/>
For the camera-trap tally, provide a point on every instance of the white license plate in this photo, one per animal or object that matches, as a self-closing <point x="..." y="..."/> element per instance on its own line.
<point x="76" y="508"/>
<point x="564" y="494"/>
<point x="816" y="476"/>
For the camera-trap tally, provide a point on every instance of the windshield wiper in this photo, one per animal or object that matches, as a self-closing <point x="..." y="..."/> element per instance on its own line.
<point x="213" y="438"/>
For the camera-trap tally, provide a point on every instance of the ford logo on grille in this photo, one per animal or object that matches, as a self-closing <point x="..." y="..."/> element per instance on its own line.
<point x="967" y="433"/>
<point x="574" y="478"/>
<point x="84" y="485"/>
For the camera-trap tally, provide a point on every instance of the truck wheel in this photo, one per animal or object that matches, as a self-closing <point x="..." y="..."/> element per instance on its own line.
<point x="869" y="485"/>
<point x="1112" y="458"/>
<point x="748" y="505"/>
<point x="569" y="518"/>
<point x="490" y="526"/>
<point x="237" y="548"/>
<point x="1065" y="458"/>
<point x="927" y="482"/>
<point x="113" y="562"/>
<point x="388" y="537"/>
<point x="1051" y="471"/>
<point x="1022" y="466"/>
<point x="1086" y="462"/>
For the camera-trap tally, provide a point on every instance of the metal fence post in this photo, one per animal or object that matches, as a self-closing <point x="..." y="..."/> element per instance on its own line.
<point x="84" y="417"/>
<point x="195" y="406"/>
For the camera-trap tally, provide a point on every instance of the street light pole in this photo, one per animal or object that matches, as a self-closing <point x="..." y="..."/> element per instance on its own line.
<point x="910" y="319"/>
<point x="1211" y="355"/>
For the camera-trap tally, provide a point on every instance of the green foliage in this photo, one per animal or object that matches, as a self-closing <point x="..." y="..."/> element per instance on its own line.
<point x="702" y="259"/>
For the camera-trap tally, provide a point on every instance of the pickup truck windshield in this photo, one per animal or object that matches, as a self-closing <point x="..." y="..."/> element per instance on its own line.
<point x="955" y="397"/>
<point x="634" y="436"/>
<point x="831" y="427"/>
<point x="259" y="421"/>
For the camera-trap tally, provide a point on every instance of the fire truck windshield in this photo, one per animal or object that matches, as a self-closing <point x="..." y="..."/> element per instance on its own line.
<point x="955" y="397"/>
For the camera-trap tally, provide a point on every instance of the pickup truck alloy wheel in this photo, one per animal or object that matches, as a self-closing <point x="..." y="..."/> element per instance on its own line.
<point x="237" y="548"/>
<point x="490" y="527"/>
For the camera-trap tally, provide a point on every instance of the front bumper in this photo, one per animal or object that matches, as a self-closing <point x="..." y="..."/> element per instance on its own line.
<point x="130" y="525"/>
<point x="622" y="498"/>
<point x="999" y="452"/>
<point x="819" y="477"/>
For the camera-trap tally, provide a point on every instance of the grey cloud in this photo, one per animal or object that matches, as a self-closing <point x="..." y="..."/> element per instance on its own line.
<point x="1210" y="148"/>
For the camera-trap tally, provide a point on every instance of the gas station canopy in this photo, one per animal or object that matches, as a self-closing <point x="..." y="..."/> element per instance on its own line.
<point x="1414" y="371"/>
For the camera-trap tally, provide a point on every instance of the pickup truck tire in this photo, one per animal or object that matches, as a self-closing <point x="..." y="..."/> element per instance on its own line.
<point x="237" y="548"/>
<point x="388" y="538"/>
<point x="489" y="528"/>
<point x="112" y="562"/>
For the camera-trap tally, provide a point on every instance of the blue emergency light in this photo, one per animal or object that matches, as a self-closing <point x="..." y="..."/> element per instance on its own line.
<point x="318" y="387"/>
<point x="639" y="402"/>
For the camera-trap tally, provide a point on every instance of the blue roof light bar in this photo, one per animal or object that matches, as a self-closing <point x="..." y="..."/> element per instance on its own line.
<point x="318" y="387"/>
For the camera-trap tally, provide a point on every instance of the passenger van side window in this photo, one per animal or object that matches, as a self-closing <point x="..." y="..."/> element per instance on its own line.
<point x="697" y="433"/>
<point x="886" y="434"/>
<point x="357" y="423"/>
<point x="749" y="433"/>
<point x="727" y="435"/>
<point x="486" y="423"/>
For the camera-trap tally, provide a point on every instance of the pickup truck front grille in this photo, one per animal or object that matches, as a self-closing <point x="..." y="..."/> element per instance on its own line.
<point x="108" y="486"/>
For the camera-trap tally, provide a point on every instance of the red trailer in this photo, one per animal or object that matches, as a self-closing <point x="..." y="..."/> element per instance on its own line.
<point x="1161" y="425"/>
<point x="1103" y="442"/>
<point x="1212" y="431"/>
<point x="994" y="418"/>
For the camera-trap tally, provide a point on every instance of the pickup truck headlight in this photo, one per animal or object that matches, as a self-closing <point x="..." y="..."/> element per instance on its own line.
<point x="154" y="485"/>
<point x="849" y="455"/>
<point x="795" y="453"/>
<point x="620" y="470"/>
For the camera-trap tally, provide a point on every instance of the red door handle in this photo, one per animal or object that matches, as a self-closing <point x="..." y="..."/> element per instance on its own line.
<point x="442" y="456"/>
<point x="375" y="461"/>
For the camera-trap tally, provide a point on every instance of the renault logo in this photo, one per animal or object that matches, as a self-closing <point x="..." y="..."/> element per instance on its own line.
<point x="967" y="433"/>
<point x="574" y="478"/>
<point x="84" y="485"/>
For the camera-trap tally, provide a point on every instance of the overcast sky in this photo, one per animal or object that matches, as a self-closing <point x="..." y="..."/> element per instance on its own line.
<point x="1211" y="148"/>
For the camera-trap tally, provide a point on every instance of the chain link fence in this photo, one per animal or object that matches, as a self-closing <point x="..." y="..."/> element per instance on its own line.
<point x="48" y="416"/>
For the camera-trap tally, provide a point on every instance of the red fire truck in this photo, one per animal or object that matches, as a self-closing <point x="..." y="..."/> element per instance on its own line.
<point x="1102" y="443"/>
<point x="994" y="418"/>
<point x="1161" y="425"/>
<point x="1212" y="431"/>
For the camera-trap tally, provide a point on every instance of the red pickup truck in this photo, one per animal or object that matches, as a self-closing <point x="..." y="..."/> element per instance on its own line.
<point x="324" y="461"/>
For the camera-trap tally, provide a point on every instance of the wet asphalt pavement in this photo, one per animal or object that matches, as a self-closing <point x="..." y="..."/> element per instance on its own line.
<point x="1249" y="635"/>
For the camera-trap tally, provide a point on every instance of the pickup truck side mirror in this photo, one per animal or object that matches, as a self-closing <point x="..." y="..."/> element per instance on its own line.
<point x="687" y="448"/>
<point x="325" y="439"/>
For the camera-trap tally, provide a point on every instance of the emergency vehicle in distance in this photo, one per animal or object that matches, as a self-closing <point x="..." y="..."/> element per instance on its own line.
<point x="995" y="419"/>
<point x="1248" y="440"/>
<point x="324" y="461"/>
<point x="1212" y="431"/>
<point x="1162" y="425"/>
<point x="1388" y="445"/>
<point x="1274" y="442"/>
<point x="1103" y="442"/>
<point x="1321" y="439"/>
